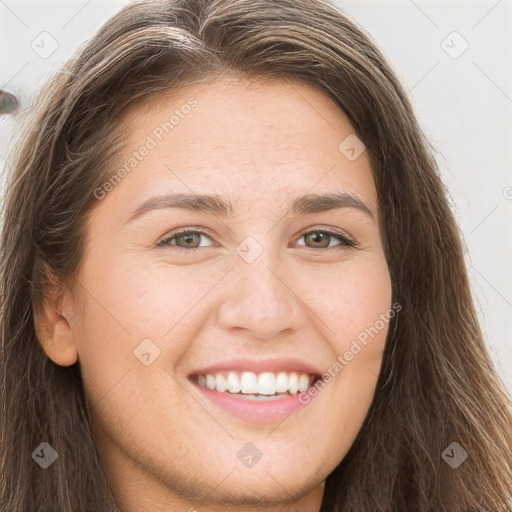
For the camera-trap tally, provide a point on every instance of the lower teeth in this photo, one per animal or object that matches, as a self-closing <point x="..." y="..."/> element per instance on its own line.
<point x="262" y="397"/>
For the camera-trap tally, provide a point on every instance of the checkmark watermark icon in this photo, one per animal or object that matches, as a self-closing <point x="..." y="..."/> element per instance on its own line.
<point x="44" y="455"/>
<point x="351" y="147"/>
<point x="454" y="455"/>
<point x="249" y="249"/>
<point x="146" y="352"/>
<point x="45" y="45"/>
<point x="249" y="455"/>
<point x="454" y="45"/>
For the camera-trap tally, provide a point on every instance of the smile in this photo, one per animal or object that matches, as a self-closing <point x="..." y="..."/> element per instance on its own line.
<point x="264" y="392"/>
<point x="259" y="386"/>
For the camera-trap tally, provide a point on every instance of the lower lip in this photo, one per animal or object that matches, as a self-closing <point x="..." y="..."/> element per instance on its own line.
<point x="254" y="411"/>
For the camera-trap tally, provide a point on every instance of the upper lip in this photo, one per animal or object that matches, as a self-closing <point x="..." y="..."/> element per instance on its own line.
<point x="260" y="365"/>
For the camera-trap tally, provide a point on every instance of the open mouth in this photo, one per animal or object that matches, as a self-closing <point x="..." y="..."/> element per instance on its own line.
<point x="262" y="386"/>
<point x="260" y="391"/>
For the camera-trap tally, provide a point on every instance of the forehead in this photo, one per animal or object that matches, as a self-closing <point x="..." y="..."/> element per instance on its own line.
<point x="252" y="141"/>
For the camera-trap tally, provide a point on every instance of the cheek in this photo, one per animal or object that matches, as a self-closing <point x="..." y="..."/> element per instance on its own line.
<point x="357" y="308"/>
<point x="353" y="300"/>
<point x="142" y="300"/>
<point x="131" y="303"/>
<point x="166" y="303"/>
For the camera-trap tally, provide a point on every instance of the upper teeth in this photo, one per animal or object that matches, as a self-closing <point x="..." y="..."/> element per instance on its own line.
<point x="266" y="383"/>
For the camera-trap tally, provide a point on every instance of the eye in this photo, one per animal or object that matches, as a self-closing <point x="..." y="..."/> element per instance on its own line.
<point x="322" y="238"/>
<point x="189" y="238"/>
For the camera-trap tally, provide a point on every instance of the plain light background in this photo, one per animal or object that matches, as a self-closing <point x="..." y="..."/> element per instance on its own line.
<point x="454" y="59"/>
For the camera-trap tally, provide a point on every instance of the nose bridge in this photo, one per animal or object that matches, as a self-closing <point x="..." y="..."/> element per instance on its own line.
<point x="260" y="297"/>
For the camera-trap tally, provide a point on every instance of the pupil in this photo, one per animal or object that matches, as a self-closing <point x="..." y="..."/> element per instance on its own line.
<point x="188" y="236"/>
<point x="318" y="238"/>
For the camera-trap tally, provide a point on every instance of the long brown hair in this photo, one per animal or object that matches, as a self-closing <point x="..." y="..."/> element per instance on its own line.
<point x="437" y="383"/>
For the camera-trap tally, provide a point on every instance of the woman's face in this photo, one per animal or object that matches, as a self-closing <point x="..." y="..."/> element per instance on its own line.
<point x="257" y="295"/>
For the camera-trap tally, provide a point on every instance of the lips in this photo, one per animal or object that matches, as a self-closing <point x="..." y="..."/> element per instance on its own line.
<point x="260" y="365"/>
<point x="257" y="391"/>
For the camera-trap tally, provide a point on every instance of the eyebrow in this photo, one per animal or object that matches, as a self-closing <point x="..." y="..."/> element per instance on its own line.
<point x="219" y="206"/>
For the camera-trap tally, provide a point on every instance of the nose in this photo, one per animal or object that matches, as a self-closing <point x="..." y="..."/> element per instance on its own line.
<point x="260" y="298"/>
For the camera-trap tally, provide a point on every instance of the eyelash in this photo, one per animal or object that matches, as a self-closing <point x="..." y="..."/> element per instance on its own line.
<point x="345" y="241"/>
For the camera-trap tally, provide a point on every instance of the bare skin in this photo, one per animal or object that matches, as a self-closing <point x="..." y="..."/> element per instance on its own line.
<point x="163" y="443"/>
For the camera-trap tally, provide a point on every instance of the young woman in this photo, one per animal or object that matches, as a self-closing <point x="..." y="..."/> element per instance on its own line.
<point x="231" y="280"/>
